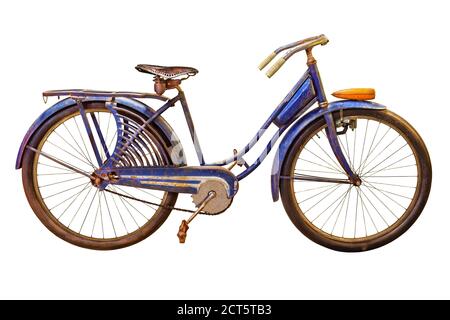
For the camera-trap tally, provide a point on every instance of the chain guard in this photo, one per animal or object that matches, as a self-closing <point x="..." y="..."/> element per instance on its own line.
<point x="219" y="203"/>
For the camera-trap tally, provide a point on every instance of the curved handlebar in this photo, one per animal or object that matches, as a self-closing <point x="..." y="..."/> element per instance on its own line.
<point x="297" y="47"/>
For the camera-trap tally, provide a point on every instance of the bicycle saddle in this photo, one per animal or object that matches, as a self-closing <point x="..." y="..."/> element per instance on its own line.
<point x="166" y="72"/>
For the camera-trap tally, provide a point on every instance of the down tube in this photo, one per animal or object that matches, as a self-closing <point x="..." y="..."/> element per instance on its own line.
<point x="295" y="100"/>
<point x="272" y="142"/>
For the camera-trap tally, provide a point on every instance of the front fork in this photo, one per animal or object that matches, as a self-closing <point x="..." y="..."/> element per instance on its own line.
<point x="337" y="150"/>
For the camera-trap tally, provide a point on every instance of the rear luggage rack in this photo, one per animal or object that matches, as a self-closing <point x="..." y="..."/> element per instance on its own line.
<point x="82" y="93"/>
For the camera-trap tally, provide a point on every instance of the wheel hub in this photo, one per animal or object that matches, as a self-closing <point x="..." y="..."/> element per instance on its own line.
<point x="357" y="182"/>
<point x="96" y="180"/>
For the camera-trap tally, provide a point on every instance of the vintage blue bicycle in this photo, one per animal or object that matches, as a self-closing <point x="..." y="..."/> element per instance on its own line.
<point x="102" y="170"/>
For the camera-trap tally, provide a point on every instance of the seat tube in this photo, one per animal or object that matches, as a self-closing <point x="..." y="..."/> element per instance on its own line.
<point x="331" y="127"/>
<point x="190" y="123"/>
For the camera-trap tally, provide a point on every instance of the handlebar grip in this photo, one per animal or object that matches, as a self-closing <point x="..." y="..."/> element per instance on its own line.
<point x="275" y="67"/>
<point x="267" y="60"/>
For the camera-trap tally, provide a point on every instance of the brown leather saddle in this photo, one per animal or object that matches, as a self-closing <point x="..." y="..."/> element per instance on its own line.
<point x="166" y="72"/>
<point x="167" y="77"/>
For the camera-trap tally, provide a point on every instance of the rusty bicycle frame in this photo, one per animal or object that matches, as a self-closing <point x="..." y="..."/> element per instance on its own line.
<point x="290" y="114"/>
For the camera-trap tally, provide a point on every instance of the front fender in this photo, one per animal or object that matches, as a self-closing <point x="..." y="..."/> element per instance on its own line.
<point x="134" y="104"/>
<point x="297" y="128"/>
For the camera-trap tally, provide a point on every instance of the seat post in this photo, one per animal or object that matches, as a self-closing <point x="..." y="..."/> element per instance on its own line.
<point x="190" y="123"/>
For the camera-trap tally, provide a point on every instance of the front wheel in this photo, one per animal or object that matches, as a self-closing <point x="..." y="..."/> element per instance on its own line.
<point x="394" y="167"/>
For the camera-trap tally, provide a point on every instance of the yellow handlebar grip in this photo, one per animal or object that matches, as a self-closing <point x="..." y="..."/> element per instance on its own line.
<point x="275" y="67"/>
<point x="267" y="60"/>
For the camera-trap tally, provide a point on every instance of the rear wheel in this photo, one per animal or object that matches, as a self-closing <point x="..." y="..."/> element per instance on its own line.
<point x="392" y="162"/>
<point x="69" y="205"/>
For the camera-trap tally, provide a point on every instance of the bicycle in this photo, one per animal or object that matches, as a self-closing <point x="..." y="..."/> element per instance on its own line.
<point x="102" y="170"/>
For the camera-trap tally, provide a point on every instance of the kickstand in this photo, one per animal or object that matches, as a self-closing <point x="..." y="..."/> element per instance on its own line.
<point x="184" y="226"/>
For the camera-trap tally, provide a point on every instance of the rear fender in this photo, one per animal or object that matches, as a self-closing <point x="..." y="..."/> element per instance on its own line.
<point x="168" y="133"/>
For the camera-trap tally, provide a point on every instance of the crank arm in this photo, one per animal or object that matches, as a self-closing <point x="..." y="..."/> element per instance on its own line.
<point x="182" y="231"/>
<point x="317" y="179"/>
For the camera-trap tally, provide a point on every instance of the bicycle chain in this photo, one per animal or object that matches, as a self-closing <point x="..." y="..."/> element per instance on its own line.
<point x="155" y="204"/>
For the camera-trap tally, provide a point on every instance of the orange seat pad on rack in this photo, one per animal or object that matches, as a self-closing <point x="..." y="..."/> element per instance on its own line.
<point x="355" y="94"/>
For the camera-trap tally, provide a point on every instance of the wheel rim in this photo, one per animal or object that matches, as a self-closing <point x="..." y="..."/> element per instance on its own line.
<point x="71" y="200"/>
<point x="385" y="161"/>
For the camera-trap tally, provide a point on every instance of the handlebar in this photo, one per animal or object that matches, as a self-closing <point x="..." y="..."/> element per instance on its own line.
<point x="297" y="47"/>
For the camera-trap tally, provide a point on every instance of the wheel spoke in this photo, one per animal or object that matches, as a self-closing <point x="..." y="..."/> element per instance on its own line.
<point x="344" y="148"/>
<point x="348" y="151"/>
<point x="390" y="166"/>
<point x="95" y="218"/>
<point x="109" y="213"/>
<point x="379" y="153"/>
<point x="88" y="210"/>
<point x="371" y="145"/>
<point x="59" y="182"/>
<point x="82" y="139"/>
<point x="328" y="194"/>
<point x="356" y="214"/>
<point x="341" y="199"/>
<point x="388" y="157"/>
<point x="328" y="155"/>
<point x="362" y="210"/>
<point x="311" y="189"/>
<point x="352" y="162"/>
<point x="63" y="163"/>
<point x="340" y="210"/>
<point x="130" y="195"/>
<point x="74" y="140"/>
<point x="392" y="185"/>
<point x="71" y="197"/>
<point x="132" y="206"/>
<point x="382" y="202"/>
<point x="118" y="211"/>
<point x="129" y="212"/>
<point x="326" y="162"/>
<point x="368" y="185"/>
<point x="73" y="148"/>
<point x="363" y="147"/>
<point x="368" y="212"/>
<point x="346" y="214"/>
<point x="79" y="208"/>
<point x="101" y="217"/>
<point x="54" y="167"/>
<point x="63" y="191"/>
<point x="317" y="194"/>
<point x="378" y="212"/>
<point x="320" y="165"/>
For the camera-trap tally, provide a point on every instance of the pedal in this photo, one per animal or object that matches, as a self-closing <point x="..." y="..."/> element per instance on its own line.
<point x="182" y="231"/>
<point x="184" y="226"/>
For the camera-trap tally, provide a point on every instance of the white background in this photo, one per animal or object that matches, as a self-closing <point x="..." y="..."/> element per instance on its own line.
<point x="401" y="48"/>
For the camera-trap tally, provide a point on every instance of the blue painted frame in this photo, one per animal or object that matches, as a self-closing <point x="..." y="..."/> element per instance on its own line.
<point x="290" y="113"/>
